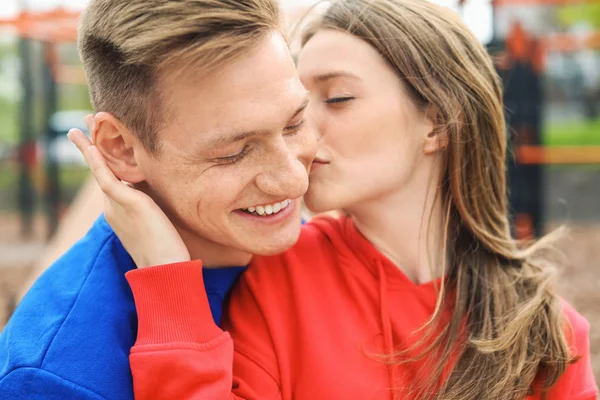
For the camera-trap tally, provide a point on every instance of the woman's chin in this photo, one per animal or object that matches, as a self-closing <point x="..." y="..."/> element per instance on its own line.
<point x="318" y="202"/>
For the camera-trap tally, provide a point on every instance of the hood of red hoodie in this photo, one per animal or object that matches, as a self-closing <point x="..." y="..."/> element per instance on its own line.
<point x="348" y="241"/>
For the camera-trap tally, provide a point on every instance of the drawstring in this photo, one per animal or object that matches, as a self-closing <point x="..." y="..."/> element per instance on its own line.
<point x="388" y="340"/>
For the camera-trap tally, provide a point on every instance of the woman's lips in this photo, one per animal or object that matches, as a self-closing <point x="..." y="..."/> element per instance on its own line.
<point x="318" y="163"/>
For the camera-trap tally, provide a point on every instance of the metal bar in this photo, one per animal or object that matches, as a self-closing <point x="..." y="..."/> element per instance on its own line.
<point x="52" y="187"/>
<point x="576" y="155"/>
<point x="27" y="145"/>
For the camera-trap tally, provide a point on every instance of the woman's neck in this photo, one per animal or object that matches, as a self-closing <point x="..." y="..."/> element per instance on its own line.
<point x="407" y="227"/>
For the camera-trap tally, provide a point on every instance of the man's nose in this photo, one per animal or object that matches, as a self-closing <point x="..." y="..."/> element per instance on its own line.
<point x="285" y="174"/>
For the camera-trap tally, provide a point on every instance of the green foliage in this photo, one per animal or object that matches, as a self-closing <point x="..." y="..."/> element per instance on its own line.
<point x="576" y="133"/>
<point x="588" y="12"/>
<point x="9" y="121"/>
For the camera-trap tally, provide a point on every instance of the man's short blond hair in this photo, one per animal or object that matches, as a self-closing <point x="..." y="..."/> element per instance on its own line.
<point x="126" y="44"/>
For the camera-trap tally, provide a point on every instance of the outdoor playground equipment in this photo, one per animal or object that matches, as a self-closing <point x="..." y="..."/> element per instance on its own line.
<point x="521" y="67"/>
<point x="50" y="29"/>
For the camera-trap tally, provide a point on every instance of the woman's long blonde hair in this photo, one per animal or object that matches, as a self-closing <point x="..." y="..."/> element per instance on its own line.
<point x="506" y="330"/>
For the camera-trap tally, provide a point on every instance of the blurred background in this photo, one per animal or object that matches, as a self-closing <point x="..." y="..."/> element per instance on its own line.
<point x="547" y="52"/>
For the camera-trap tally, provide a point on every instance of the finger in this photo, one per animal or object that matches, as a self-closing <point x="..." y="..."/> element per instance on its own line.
<point x="107" y="180"/>
<point x="79" y="139"/>
<point x="83" y="143"/>
<point x="89" y="122"/>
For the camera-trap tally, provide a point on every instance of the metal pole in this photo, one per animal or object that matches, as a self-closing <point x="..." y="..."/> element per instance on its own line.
<point x="27" y="146"/>
<point x="52" y="187"/>
<point x="494" y="6"/>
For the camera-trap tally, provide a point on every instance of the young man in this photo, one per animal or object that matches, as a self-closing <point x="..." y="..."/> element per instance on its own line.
<point x="200" y="107"/>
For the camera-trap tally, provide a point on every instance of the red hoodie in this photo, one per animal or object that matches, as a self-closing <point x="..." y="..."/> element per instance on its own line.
<point x="307" y="324"/>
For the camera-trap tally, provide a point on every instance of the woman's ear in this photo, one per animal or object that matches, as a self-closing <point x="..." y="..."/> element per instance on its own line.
<point x="118" y="146"/>
<point x="436" y="135"/>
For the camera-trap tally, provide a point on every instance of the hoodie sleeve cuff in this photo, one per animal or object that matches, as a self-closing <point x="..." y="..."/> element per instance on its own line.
<point x="171" y="304"/>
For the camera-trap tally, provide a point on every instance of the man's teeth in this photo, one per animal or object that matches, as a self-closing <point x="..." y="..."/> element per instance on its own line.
<point x="269" y="209"/>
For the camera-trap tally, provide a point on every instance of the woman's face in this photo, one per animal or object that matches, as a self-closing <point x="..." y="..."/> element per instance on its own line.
<point x="371" y="133"/>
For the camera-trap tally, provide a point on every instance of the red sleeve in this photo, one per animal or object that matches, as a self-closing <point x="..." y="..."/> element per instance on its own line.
<point x="577" y="383"/>
<point x="180" y="353"/>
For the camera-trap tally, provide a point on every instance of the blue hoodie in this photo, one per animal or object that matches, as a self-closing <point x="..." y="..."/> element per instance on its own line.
<point x="70" y="337"/>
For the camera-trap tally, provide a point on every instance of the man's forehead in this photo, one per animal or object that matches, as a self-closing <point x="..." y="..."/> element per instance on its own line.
<point x="243" y="126"/>
<point x="257" y="92"/>
<point x="210" y="121"/>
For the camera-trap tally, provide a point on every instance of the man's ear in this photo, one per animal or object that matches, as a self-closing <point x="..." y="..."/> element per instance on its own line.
<point x="436" y="136"/>
<point x="118" y="146"/>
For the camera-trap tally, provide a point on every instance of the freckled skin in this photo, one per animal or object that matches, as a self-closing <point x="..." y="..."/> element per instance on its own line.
<point x="258" y="92"/>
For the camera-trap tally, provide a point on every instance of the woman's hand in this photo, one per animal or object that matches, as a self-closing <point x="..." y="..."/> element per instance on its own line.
<point x="143" y="228"/>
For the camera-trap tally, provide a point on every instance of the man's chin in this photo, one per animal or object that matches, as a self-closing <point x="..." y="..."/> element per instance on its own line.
<point x="272" y="247"/>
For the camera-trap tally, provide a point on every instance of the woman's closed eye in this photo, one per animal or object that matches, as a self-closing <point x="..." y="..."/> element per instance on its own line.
<point x="338" y="100"/>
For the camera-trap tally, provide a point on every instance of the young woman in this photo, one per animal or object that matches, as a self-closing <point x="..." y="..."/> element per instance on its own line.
<point x="418" y="291"/>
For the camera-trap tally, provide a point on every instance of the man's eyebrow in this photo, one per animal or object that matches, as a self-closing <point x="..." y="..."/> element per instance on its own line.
<point x="222" y="141"/>
<point x="301" y="108"/>
<point x="335" y="74"/>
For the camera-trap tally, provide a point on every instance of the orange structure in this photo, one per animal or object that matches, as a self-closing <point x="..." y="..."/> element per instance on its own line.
<point x="55" y="26"/>
<point x="60" y="26"/>
<point x="51" y="28"/>
<point x="523" y="48"/>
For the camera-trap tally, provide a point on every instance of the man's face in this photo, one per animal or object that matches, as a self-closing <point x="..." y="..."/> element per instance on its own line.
<point x="235" y="142"/>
